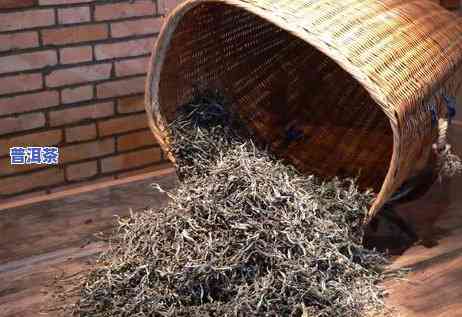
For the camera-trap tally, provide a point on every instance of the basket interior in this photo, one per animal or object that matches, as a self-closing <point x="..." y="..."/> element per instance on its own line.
<point x="294" y="99"/>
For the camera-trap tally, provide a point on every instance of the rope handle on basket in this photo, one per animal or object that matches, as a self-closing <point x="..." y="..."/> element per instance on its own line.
<point x="441" y="147"/>
<point x="448" y="164"/>
<point x="443" y="124"/>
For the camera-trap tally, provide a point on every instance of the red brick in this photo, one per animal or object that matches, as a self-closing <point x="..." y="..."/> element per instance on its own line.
<point x="124" y="49"/>
<point x="29" y="102"/>
<point x="136" y="27"/>
<point x="78" y="75"/>
<point x="22" y="123"/>
<point x="13" y="4"/>
<point x="58" y="2"/>
<point x="123" y="124"/>
<point x="130" y="104"/>
<point x="39" y="179"/>
<point x="135" y="140"/>
<point x="20" y="83"/>
<point x="81" y="133"/>
<point x="81" y="171"/>
<point x="74" y="34"/>
<point x="47" y="138"/>
<point x="26" y="19"/>
<point x="88" y="150"/>
<point x="132" y="66"/>
<point x="74" y="15"/>
<point x="131" y="160"/>
<point x="81" y="93"/>
<point x="16" y="41"/>
<point x="7" y="169"/>
<point x="78" y="114"/>
<point x="27" y="61"/>
<point x="121" y="87"/>
<point x="71" y="55"/>
<point x="124" y="10"/>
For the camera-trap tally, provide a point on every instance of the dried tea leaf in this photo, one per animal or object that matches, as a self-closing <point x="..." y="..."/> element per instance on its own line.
<point x="243" y="235"/>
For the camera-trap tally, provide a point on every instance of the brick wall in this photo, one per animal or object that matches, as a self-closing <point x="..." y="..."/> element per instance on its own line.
<point x="72" y="75"/>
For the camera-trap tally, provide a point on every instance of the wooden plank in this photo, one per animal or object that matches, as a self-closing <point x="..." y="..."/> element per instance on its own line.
<point x="55" y="238"/>
<point x="85" y="188"/>
<point x="30" y="287"/>
<point x="73" y="220"/>
<point x="433" y="289"/>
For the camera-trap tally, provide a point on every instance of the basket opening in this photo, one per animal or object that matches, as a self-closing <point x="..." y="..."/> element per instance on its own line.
<point x="294" y="98"/>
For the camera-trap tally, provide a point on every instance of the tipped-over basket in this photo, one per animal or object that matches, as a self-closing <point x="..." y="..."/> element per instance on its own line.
<point x="346" y="88"/>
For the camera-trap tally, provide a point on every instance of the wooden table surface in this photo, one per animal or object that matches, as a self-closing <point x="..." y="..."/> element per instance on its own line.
<point x="434" y="286"/>
<point x="44" y="242"/>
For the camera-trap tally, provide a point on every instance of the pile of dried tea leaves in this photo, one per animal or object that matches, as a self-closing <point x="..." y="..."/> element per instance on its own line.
<point x="243" y="235"/>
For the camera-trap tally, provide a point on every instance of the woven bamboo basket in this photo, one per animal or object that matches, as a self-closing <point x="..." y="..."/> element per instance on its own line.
<point x="363" y="84"/>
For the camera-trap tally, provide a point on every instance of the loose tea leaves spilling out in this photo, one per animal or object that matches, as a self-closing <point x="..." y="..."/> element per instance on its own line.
<point x="243" y="235"/>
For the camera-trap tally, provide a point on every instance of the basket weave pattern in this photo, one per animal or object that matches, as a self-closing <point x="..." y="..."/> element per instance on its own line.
<point x="360" y="81"/>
